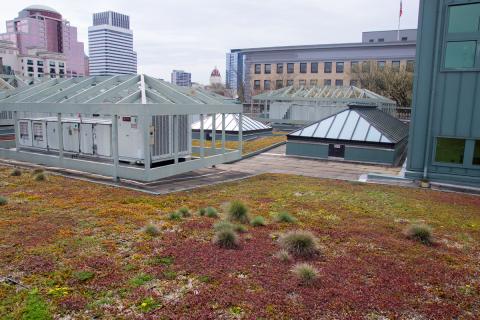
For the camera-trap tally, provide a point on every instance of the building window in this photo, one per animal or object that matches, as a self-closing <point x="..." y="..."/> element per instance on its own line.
<point x="266" y="85"/>
<point x="404" y="38"/>
<point x="30" y="69"/>
<point x="381" y="40"/>
<point x="303" y="67"/>
<point x="381" y="65"/>
<point x="411" y="66"/>
<point x="354" y="67"/>
<point x="396" y="65"/>
<point x="338" y="83"/>
<point x="279" y="84"/>
<point x="327" y="82"/>
<point x="314" y="67"/>
<point x="327" y="67"/>
<point x="289" y="83"/>
<point x="256" y="84"/>
<point x="450" y="150"/>
<point x="52" y="63"/>
<point x="258" y="68"/>
<point x="290" y="67"/>
<point x="464" y="18"/>
<point x="371" y="41"/>
<point x="30" y="62"/>
<point x="462" y="39"/>
<point x="354" y="83"/>
<point x="340" y="67"/>
<point x="40" y="70"/>
<point x="476" y="153"/>
<point x="460" y="54"/>
<point x="268" y="68"/>
<point x="366" y="66"/>
<point x="40" y="63"/>
<point x="313" y="82"/>
<point x="302" y="83"/>
<point x="61" y="64"/>
<point x="52" y="71"/>
<point x="279" y="68"/>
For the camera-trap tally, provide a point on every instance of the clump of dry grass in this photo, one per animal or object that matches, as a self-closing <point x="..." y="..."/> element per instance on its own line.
<point x="226" y="238"/>
<point x="300" y="243"/>
<point x="306" y="273"/>
<point x="420" y="232"/>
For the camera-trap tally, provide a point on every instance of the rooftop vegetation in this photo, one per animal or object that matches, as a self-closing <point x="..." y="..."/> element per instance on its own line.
<point x="73" y="249"/>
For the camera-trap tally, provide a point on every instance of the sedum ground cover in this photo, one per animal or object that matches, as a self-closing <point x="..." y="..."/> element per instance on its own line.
<point x="248" y="146"/>
<point x="77" y="250"/>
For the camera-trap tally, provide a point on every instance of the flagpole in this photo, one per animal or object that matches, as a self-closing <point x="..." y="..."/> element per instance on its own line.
<point x="399" y="20"/>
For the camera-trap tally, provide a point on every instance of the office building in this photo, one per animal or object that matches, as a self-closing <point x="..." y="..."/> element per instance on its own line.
<point x="40" y="33"/>
<point x="215" y="77"/>
<point x="111" y="45"/>
<point x="181" y="78"/>
<point x="262" y="69"/>
<point x="445" y="129"/>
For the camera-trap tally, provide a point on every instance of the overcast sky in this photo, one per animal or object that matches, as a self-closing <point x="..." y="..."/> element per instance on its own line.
<point x="194" y="35"/>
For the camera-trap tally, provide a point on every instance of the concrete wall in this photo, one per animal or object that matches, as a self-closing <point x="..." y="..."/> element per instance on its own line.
<point x="445" y="103"/>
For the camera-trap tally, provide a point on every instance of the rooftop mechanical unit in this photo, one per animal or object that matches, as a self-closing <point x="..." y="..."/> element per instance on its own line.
<point x="91" y="137"/>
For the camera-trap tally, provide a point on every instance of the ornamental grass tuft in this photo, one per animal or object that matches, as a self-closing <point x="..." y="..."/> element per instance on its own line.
<point x="37" y="171"/>
<point x="40" y="177"/>
<point x="211" y="212"/>
<point x="420" y="232"/>
<point x="285" y="217"/>
<point x="226" y="238"/>
<point x="283" y="256"/>
<point x="202" y="212"/>
<point x="16" y="172"/>
<point x="185" y="212"/>
<point x="238" y="211"/>
<point x="258" y="222"/>
<point x="300" y="243"/>
<point x="3" y="201"/>
<point x="306" y="273"/>
<point x="152" y="230"/>
<point x="174" y="216"/>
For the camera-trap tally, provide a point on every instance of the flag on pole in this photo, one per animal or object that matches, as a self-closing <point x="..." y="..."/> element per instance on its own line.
<point x="401" y="8"/>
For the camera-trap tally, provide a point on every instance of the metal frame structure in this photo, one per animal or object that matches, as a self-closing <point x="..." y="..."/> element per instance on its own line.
<point x="317" y="96"/>
<point x="111" y="97"/>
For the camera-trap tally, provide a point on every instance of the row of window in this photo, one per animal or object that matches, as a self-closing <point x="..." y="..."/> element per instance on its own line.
<point x="463" y="37"/>
<point x="40" y="63"/>
<point x="452" y="150"/>
<point x="328" y="67"/>
<point x="40" y="70"/>
<point x="267" y="84"/>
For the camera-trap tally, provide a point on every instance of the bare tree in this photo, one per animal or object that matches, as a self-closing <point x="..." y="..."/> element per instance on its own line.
<point x="396" y="84"/>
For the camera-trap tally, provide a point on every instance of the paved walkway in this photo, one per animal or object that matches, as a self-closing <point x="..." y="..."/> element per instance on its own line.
<point x="275" y="161"/>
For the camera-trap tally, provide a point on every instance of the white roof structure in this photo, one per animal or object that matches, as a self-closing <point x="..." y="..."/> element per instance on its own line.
<point x="231" y="124"/>
<point x="361" y="124"/>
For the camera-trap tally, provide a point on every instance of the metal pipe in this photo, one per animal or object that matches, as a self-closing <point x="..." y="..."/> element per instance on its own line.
<point x="202" y="137"/>
<point x="214" y="132"/>
<point x="60" y="136"/>
<point x="115" y="147"/>
<point x="223" y="132"/>
<point x="432" y="98"/>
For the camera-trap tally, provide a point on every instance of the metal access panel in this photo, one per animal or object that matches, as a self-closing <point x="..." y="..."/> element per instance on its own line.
<point x="39" y="130"/>
<point x="86" y="138"/>
<point x="130" y="139"/>
<point x="25" y="129"/>
<point x="71" y="137"/>
<point x="162" y="142"/>
<point x="184" y="135"/>
<point x="52" y="135"/>
<point x="102" y="137"/>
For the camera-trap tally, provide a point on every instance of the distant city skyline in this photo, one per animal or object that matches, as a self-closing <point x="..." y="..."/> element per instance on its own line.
<point x="200" y="42"/>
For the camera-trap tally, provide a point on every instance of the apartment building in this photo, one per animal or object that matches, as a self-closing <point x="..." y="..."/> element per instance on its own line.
<point x="181" y="78"/>
<point x="111" y="45"/>
<point x="42" y="29"/>
<point x="263" y="69"/>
